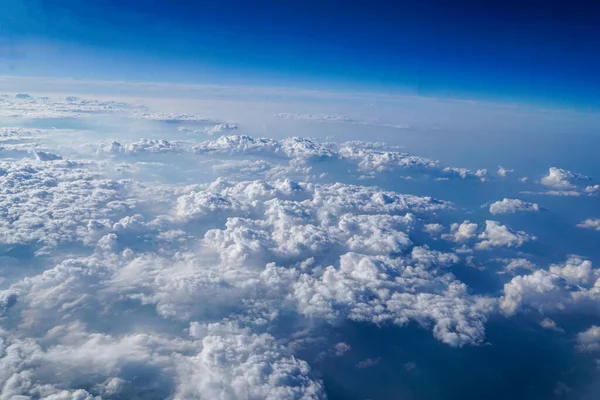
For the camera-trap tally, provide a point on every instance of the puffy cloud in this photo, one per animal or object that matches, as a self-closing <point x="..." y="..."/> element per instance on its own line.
<point x="589" y="340"/>
<point x="370" y="158"/>
<point x="592" y="189"/>
<point x="379" y="289"/>
<point x="559" y="287"/>
<point x="503" y="171"/>
<point x="221" y="128"/>
<point x="433" y="229"/>
<point x="46" y="156"/>
<point x="341" y="348"/>
<point x="590" y="224"/>
<point x="513" y="264"/>
<point x="44" y="204"/>
<point x="139" y="147"/>
<point x="496" y="235"/>
<point x="462" y="232"/>
<point x="366" y="156"/>
<point x="137" y="288"/>
<point x="511" y="206"/>
<point x="462" y="172"/>
<point x="547" y="323"/>
<point x="237" y="364"/>
<point x="561" y="179"/>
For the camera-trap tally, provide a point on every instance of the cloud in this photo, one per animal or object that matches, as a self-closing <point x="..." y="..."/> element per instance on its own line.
<point x="511" y="206"/>
<point x="589" y="340"/>
<point x="513" y="264"/>
<point x="590" y="224"/>
<point x="341" y="348"/>
<point x="465" y="173"/>
<point x="433" y="229"/>
<point x="561" y="287"/>
<point x="139" y="147"/>
<point x="592" y="189"/>
<point x="170" y="117"/>
<point x="33" y="107"/>
<point x="131" y="271"/>
<point x="368" y="363"/>
<point x="462" y="232"/>
<point x="497" y="235"/>
<point x="562" y="179"/>
<point x="503" y="171"/>
<point x="221" y="128"/>
<point x="547" y="323"/>
<point x="338" y="119"/>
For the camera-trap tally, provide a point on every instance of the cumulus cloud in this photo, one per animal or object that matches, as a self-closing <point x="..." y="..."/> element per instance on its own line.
<point x="549" y="324"/>
<point x="496" y="235"/>
<point x="462" y="232"/>
<point x="562" y="179"/>
<point x="221" y="128"/>
<point x="503" y="171"/>
<point x="465" y="173"/>
<point x="589" y="340"/>
<point x="122" y="284"/>
<point x="592" y="189"/>
<point x="139" y="147"/>
<point x="557" y="288"/>
<point x="590" y="224"/>
<point x="341" y="348"/>
<point x="511" y="206"/>
<point x="433" y="229"/>
<point x="513" y="264"/>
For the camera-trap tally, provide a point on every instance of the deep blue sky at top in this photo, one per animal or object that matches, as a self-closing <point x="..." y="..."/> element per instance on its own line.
<point x="542" y="51"/>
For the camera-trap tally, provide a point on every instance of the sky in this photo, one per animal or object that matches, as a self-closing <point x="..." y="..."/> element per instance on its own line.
<point x="542" y="52"/>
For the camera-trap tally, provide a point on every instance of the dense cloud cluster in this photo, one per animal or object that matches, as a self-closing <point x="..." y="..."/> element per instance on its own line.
<point x="564" y="286"/>
<point x="122" y="285"/>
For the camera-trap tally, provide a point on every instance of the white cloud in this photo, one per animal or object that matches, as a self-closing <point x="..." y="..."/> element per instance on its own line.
<point x="139" y="147"/>
<point x="558" y="288"/>
<point x="547" y="323"/>
<point x="462" y="232"/>
<point x="589" y="340"/>
<point x="221" y="128"/>
<point x="513" y="264"/>
<point x="171" y="117"/>
<point x="510" y="206"/>
<point x="498" y="235"/>
<point x="592" y="189"/>
<point x="338" y="119"/>
<point x="122" y="278"/>
<point x="503" y="171"/>
<point x="341" y="348"/>
<point x="590" y="224"/>
<point x="433" y="229"/>
<point x="561" y="179"/>
<point x="465" y="173"/>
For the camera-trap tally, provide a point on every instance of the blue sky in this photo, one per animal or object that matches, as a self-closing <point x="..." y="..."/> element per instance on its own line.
<point x="543" y="52"/>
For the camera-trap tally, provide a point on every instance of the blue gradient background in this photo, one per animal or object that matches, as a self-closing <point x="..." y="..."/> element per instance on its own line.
<point x="542" y="52"/>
